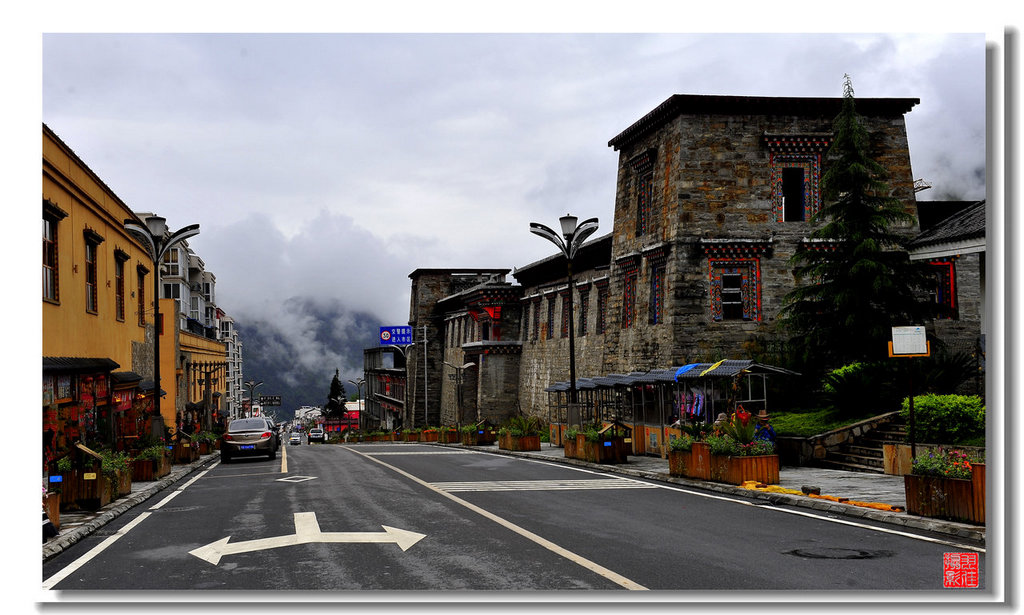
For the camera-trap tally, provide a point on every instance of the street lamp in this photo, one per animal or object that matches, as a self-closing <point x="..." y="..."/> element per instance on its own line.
<point x="157" y="238"/>
<point x="252" y="384"/>
<point x="569" y="243"/>
<point x="359" y="398"/>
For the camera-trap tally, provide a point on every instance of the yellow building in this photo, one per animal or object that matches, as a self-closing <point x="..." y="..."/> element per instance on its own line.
<point x="98" y="329"/>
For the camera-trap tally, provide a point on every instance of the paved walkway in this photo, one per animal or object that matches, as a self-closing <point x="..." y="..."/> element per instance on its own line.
<point x="850" y="494"/>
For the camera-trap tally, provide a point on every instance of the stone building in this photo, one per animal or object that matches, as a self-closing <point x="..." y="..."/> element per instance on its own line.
<point x="714" y="196"/>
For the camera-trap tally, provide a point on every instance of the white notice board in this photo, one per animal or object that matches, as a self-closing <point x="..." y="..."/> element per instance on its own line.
<point x="909" y="341"/>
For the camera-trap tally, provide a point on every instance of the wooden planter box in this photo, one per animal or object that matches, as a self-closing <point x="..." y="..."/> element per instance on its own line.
<point x="150" y="469"/>
<point x="51" y="504"/>
<point x="185" y="452"/>
<point x="570" y="448"/>
<point x="678" y="462"/>
<point x="122" y="486"/>
<point x="411" y="437"/>
<point x="612" y="450"/>
<point x="429" y="436"/>
<point x="509" y="442"/>
<point x="737" y="470"/>
<point x="700" y="461"/>
<point x="205" y="448"/>
<point x="449" y="436"/>
<point x="480" y="437"/>
<point x="957" y="499"/>
<point x="92" y="490"/>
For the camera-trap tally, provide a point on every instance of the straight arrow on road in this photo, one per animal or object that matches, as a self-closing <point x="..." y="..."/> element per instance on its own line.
<point x="307" y="530"/>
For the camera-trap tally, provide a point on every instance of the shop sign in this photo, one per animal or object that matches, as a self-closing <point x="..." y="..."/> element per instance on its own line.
<point x="101" y="387"/>
<point x="48" y="390"/>
<point x="123" y="400"/>
<point x="85" y="389"/>
<point x="63" y="388"/>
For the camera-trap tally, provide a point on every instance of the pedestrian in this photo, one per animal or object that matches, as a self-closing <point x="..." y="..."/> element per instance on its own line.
<point x="764" y="430"/>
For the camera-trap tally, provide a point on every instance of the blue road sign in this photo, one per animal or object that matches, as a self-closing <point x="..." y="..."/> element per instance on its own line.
<point x="401" y="335"/>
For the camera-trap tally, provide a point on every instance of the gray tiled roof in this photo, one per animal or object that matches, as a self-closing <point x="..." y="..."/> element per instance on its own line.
<point x="966" y="224"/>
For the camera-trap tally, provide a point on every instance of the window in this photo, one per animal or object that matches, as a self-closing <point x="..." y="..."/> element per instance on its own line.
<point x="629" y="298"/>
<point x="793" y="194"/>
<point x="536" y="320"/>
<point x="584" y="310"/>
<point x="551" y="318"/>
<point x="644" y="192"/>
<point x="171" y="263"/>
<point x="193" y="311"/>
<point x="172" y="291"/>
<point x="91" y="292"/>
<point x="657" y="293"/>
<point x="796" y="167"/>
<point x="942" y="293"/>
<point x="119" y="286"/>
<point x="735" y="289"/>
<point x="565" y="314"/>
<point x="602" y="309"/>
<point x="140" y="291"/>
<point x="50" y="289"/>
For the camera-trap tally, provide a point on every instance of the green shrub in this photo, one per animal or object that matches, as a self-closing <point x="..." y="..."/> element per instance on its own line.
<point x="152" y="453"/>
<point x="572" y="432"/>
<point x="113" y="462"/>
<point x="522" y="425"/>
<point x="945" y="464"/>
<point x="681" y="443"/>
<point x="946" y="419"/>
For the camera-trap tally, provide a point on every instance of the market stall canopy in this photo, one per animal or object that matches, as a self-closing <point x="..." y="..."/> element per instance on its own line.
<point x="79" y="364"/>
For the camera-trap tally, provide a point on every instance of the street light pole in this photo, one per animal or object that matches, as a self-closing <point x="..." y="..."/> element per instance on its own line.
<point x="359" y="397"/>
<point x="572" y="238"/>
<point x="159" y="241"/>
<point x="252" y="384"/>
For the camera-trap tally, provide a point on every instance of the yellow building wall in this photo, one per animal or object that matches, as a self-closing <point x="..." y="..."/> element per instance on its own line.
<point x="68" y="330"/>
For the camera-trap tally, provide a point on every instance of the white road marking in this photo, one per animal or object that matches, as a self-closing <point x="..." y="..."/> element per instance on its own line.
<point x="547" y="544"/>
<point x="384" y="454"/>
<point x="307" y="530"/>
<point x="81" y="561"/>
<point x="543" y="485"/>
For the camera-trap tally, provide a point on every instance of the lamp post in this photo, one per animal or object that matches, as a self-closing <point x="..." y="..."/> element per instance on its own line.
<point x="569" y="242"/>
<point x="359" y="398"/>
<point x="159" y="240"/>
<point x="252" y="385"/>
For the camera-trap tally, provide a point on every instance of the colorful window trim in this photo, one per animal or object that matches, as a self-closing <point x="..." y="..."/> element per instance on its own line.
<point x="643" y="167"/>
<point x="944" y="292"/>
<point x="724" y="271"/>
<point x="629" y="297"/>
<point x="657" y="315"/>
<point x="811" y="166"/>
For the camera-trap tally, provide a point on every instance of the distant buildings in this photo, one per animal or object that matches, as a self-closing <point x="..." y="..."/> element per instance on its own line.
<point x="714" y="196"/>
<point x="98" y="326"/>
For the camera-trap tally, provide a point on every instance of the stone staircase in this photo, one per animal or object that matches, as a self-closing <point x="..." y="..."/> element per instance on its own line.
<point x="864" y="453"/>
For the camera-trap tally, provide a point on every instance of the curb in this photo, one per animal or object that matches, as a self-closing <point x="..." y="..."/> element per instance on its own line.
<point x="951" y="528"/>
<point x="62" y="541"/>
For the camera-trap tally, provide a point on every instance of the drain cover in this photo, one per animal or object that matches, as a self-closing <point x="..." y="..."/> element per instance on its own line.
<point x="838" y="553"/>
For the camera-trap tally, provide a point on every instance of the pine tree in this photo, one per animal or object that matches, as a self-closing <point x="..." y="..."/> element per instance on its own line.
<point x="335" y="406"/>
<point x="857" y="280"/>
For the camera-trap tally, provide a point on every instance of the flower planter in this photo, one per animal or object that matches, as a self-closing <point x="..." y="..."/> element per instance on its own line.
<point x="429" y="436"/>
<point x="957" y="499"/>
<point x="448" y="436"/>
<point x="612" y="450"/>
<point x="479" y="437"/>
<point x="678" y="462"/>
<point x="150" y="469"/>
<point x="570" y="448"/>
<point x="737" y="470"/>
<point x="51" y="504"/>
<point x="509" y="442"/>
<point x="121" y="485"/>
<point x="412" y="437"/>
<point x="185" y="452"/>
<point x="700" y="461"/>
<point x="92" y="489"/>
<point x="205" y="448"/>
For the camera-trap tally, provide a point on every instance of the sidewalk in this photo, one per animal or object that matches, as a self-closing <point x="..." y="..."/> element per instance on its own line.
<point x="860" y="487"/>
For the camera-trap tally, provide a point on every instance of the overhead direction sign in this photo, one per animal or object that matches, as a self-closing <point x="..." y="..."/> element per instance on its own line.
<point x="270" y="400"/>
<point x="398" y="335"/>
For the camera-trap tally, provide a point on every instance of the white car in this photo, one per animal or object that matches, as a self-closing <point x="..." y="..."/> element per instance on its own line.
<point x="295" y="438"/>
<point x="317" y="434"/>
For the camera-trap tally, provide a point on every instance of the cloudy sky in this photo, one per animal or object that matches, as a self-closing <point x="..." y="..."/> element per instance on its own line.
<point x="333" y="165"/>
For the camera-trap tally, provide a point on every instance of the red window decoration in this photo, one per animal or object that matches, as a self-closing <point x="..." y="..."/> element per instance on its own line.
<point x="584" y="309"/>
<point x="796" y="169"/>
<point x="629" y="298"/>
<point x="643" y="168"/>
<point x="602" y="309"/>
<point x="943" y="291"/>
<point x="735" y="289"/>
<point x="657" y="292"/>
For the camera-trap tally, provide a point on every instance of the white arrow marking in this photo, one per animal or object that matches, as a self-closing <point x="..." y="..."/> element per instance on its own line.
<point x="307" y="530"/>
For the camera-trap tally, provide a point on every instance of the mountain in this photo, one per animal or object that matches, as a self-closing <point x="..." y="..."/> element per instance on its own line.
<point x="296" y="350"/>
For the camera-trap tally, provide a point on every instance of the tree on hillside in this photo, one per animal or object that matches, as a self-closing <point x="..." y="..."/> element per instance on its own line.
<point x="335" y="407"/>
<point x="855" y="280"/>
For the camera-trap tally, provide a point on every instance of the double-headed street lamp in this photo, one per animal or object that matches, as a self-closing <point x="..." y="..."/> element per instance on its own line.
<point x="159" y="241"/>
<point x="569" y="243"/>
<point x="252" y="384"/>
<point x="359" y="396"/>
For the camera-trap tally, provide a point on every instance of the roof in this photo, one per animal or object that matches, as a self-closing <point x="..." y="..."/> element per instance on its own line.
<point x="592" y="254"/>
<point x="693" y="371"/>
<point x="965" y="226"/>
<point x="78" y="364"/>
<point x="694" y="104"/>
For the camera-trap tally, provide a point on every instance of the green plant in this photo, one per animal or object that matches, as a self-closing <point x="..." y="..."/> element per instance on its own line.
<point x="721" y="444"/>
<point x="681" y="443"/>
<point x="522" y="425"/>
<point x="154" y="453"/>
<point x="469" y="429"/>
<point x="205" y="436"/>
<point x="946" y="419"/>
<point x="698" y="431"/>
<point x="572" y="432"/>
<point x="114" y="462"/>
<point x="945" y="464"/>
<point x="756" y="447"/>
<point x="64" y="464"/>
<point x="592" y="433"/>
<point x="740" y="426"/>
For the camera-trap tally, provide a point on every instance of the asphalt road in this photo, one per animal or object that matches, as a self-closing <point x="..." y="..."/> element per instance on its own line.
<point x="413" y="517"/>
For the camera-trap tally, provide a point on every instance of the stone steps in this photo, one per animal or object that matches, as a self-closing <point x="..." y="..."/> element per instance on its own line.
<point x="864" y="454"/>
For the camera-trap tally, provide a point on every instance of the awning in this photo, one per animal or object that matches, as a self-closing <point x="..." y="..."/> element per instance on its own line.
<point x="79" y="364"/>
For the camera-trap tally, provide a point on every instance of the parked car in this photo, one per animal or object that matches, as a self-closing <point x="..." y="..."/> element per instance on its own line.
<point x="250" y="437"/>
<point x="317" y="434"/>
<point x="296" y="438"/>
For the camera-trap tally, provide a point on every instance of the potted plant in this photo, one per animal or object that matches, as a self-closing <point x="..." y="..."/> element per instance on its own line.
<point x="521" y="433"/>
<point x="679" y="454"/>
<point x="429" y="434"/>
<point x="116" y="466"/>
<point x="571" y="450"/>
<point x="947" y="485"/>
<point x="206" y="441"/>
<point x="151" y="463"/>
<point x="411" y="435"/>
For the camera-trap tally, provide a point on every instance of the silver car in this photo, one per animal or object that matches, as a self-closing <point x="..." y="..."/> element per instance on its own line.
<point x="250" y="437"/>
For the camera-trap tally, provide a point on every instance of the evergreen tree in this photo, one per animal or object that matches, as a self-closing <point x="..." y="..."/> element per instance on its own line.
<point x="857" y="280"/>
<point x="335" y="407"/>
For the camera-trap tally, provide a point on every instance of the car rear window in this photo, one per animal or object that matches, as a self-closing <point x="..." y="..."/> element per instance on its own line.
<point x="247" y="425"/>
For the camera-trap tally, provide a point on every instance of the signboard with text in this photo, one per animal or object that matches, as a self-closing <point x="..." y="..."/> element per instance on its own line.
<point x="399" y="335"/>
<point x="908" y="342"/>
<point x="270" y="400"/>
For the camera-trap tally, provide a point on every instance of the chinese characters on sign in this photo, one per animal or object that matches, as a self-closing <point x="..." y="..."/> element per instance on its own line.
<point x="960" y="570"/>
<point x="400" y="336"/>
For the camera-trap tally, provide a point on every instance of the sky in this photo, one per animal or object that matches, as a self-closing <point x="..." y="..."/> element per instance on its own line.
<point x="333" y="165"/>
